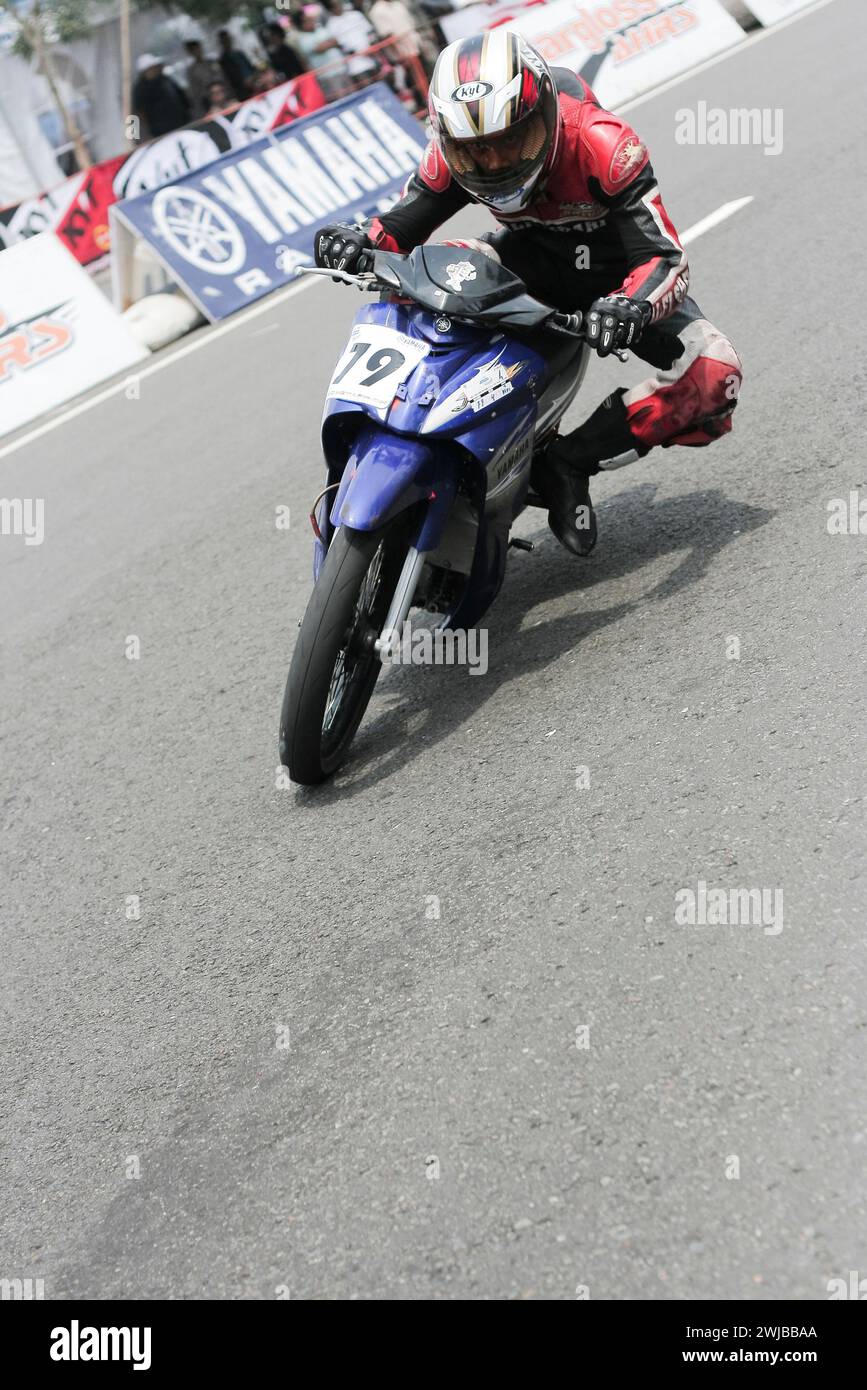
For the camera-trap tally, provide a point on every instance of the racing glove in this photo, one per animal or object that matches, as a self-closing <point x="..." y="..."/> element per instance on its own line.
<point x="340" y="247"/>
<point x="615" y="322"/>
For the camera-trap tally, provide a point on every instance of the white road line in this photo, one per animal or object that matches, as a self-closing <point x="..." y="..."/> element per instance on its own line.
<point x="203" y="338"/>
<point x="714" y="218"/>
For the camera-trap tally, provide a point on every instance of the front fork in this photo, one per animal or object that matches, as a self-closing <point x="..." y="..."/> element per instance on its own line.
<point x="402" y="602"/>
<point x="437" y="498"/>
<point x="430" y="530"/>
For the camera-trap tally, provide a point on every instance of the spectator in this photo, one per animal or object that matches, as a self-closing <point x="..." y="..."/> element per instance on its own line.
<point x="236" y="66"/>
<point x="391" y="19"/>
<point x="353" y="32"/>
<point x="201" y="72"/>
<point x="281" y="55"/>
<point x="264" y="79"/>
<point x="432" y="12"/>
<point x="218" y="97"/>
<point x="321" y="51"/>
<point x="160" y="104"/>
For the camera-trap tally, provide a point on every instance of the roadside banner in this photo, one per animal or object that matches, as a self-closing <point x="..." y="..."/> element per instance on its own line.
<point x="472" y="19"/>
<point x="241" y="227"/>
<point x="59" y="335"/>
<point x="625" y="47"/>
<point x="77" y="211"/>
<point x="772" y="11"/>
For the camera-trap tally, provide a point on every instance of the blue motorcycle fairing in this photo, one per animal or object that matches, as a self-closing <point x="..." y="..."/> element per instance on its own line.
<point x="451" y="391"/>
<point x="386" y="474"/>
<point x="503" y="451"/>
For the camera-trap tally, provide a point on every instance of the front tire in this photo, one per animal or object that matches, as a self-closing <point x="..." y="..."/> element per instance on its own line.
<point x="334" y="665"/>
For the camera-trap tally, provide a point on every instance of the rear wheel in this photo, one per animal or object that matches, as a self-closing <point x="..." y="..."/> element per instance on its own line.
<point x="335" y="666"/>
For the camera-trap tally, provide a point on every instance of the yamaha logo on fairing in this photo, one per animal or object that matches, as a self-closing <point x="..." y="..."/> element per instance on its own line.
<point x="471" y="91"/>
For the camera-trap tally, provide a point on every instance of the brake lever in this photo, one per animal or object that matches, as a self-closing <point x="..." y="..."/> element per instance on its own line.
<point x="573" y="325"/>
<point x="364" y="281"/>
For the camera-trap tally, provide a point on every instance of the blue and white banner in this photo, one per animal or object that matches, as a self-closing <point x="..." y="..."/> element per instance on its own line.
<point x="240" y="227"/>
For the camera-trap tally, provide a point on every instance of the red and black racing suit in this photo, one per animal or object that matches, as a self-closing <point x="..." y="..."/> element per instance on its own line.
<point x="597" y="227"/>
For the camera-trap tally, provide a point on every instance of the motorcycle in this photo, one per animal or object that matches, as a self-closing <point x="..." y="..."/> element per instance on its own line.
<point x="450" y="388"/>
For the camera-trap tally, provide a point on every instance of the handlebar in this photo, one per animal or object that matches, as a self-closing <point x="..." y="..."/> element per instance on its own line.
<point x="568" y="323"/>
<point x="364" y="279"/>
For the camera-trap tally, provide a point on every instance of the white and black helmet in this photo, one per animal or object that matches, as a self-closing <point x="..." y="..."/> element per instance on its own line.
<point x="494" y="113"/>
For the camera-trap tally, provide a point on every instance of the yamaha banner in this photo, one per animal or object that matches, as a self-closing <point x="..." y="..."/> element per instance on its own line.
<point x="240" y="228"/>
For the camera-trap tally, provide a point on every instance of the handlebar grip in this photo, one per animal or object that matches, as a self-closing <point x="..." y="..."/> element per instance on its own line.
<point x="569" y="323"/>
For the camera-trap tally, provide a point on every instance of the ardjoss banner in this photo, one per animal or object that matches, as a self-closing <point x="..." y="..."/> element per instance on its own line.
<point x="623" y="47"/>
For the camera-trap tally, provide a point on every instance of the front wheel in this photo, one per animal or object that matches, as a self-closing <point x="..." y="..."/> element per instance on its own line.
<point x="335" y="665"/>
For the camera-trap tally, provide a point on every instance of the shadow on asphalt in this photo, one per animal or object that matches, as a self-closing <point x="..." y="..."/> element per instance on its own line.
<point x="425" y="705"/>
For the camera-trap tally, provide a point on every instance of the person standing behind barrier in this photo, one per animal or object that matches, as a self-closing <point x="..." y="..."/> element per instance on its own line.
<point x="282" y="56"/>
<point x="160" y="104"/>
<point x="322" y="52"/>
<point x="264" y="80"/>
<point x="201" y="72"/>
<point x="354" y="34"/>
<point x="236" y="66"/>
<point x="219" y="98"/>
<point x="392" y="20"/>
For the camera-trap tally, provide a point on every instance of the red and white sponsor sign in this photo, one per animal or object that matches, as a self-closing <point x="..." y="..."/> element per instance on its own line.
<point x="625" y="47"/>
<point x="77" y="211"/>
<point x="58" y="334"/>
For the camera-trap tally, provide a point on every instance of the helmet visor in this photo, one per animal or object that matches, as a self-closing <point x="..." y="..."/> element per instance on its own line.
<point x="496" y="167"/>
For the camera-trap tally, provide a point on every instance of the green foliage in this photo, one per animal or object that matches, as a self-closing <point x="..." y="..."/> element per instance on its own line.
<point x="214" y="12"/>
<point x="71" y="19"/>
<point x="55" y="21"/>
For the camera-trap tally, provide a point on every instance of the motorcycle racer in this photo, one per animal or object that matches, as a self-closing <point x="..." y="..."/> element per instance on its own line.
<point x="583" y="224"/>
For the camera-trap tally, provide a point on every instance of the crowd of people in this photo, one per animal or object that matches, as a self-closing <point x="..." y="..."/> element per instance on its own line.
<point x="333" y="40"/>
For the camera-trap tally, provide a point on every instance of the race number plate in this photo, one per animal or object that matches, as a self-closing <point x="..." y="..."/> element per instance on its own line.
<point x="376" y="361"/>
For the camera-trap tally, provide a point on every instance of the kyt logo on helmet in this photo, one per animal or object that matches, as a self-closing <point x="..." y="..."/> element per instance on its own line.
<point x="471" y="91"/>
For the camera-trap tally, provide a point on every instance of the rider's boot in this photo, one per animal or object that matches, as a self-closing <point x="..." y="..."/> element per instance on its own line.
<point x="562" y="474"/>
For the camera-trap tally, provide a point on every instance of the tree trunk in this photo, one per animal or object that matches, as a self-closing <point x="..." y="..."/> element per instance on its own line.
<point x="125" y="67"/>
<point x="46" y="62"/>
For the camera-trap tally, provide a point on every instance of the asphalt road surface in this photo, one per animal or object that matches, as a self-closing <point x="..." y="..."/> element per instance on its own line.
<point x="339" y="1053"/>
